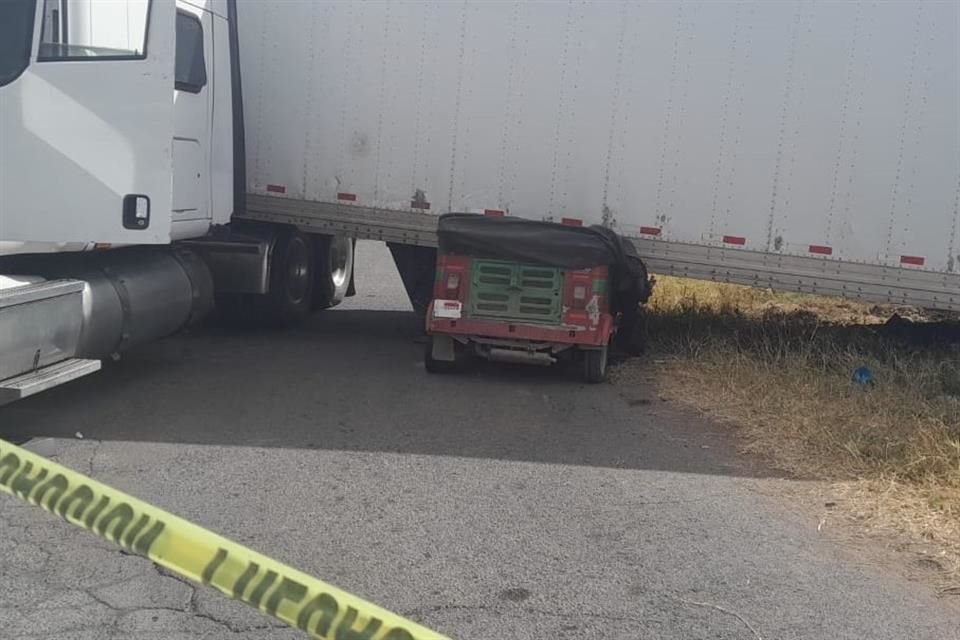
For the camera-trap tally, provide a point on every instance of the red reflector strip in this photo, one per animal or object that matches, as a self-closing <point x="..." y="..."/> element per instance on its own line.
<point x="821" y="249"/>
<point x="914" y="260"/>
<point x="571" y="222"/>
<point x="276" y="188"/>
<point x="414" y="204"/>
<point x="650" y="231"/>
<point x="734" y="240"/>
<point x="349" y="197"/>
<point x="496" y="213"/>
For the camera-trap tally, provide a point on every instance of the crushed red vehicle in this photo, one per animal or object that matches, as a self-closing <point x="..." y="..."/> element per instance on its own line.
<point x="516" y="290"/>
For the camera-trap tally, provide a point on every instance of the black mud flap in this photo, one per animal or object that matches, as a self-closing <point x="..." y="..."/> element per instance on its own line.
<point x="417" y="267"/>
<point x="352" y="287"/>
<point x="442" y="349"/>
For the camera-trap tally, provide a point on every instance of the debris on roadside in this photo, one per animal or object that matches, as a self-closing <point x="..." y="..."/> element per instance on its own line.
<point x="862" y="378"/>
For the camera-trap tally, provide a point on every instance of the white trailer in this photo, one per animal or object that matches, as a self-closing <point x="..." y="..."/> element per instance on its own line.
<point x="171" y="150"/>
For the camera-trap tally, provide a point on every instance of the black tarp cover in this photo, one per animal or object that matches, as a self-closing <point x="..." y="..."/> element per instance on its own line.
<point x="529" y="241"/>
<point x="546" y="243"/>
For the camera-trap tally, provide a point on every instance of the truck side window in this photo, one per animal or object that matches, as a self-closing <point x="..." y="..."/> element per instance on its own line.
<point x="191" y="70"/>
<point x="16" y="32"/>
<point x="91" y="29"/>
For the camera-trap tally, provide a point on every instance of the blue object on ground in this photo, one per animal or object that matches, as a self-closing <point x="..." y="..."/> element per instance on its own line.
<point x="862" y="377"/>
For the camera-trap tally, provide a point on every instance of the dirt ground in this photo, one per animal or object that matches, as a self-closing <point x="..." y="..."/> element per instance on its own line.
<point x="862" y="400"/>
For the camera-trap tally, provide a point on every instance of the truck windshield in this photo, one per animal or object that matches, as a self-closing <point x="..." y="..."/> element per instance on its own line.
<point x="16" y="33"/>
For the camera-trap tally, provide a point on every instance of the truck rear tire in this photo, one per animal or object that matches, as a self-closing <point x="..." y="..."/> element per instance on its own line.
<point x="334" y="270"/>
<point x="595" y="365"/>
<point x="292" y="277"/>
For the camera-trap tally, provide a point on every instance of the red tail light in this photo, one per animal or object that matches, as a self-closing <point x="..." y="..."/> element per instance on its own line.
<point x="452" y="285"/>
<point x="578" y="290"/>
<point x="580" y="296"/>
<point x="451" y="282"/>
<point x="585" y="297"/>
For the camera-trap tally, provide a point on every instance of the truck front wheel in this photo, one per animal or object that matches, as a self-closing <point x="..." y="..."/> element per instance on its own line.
<point x="334" y="261"/>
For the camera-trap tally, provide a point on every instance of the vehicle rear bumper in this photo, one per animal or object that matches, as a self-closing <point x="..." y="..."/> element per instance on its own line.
<point x="590" y="336"/>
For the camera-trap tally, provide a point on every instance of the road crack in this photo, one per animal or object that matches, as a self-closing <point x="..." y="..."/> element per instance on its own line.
<point x="729" y="612"/>
<point x="93" y="456"/>
<point x="420" y="612"/>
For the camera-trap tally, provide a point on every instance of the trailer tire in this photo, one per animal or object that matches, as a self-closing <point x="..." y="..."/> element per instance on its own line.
<point x="292" y="277"/>
<point x="334" y="270"/>
<point x="595" y="365"/>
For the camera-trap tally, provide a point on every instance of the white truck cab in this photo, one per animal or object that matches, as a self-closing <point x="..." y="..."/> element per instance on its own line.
<point x="121" y="165"/>
<point x="127" y="105"/>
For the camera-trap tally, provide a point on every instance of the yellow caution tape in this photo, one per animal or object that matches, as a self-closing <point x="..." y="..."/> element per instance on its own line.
<point x="301" y="601"/>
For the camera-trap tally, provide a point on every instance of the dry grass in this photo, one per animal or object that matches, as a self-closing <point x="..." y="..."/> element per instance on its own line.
<point x="780" y="367"/>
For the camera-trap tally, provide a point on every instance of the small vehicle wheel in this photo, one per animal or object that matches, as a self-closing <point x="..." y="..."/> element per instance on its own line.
<point x="291" y="280"/>
<point x="595" y="365"/>
<point x="433" y="365"/>
<point x="334" y="270"/>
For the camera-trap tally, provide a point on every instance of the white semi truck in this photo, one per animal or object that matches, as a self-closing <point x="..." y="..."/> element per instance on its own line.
<point x="160" y="157"/>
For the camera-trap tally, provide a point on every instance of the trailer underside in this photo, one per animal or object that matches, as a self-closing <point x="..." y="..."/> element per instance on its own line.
<point x="824" y="275"/>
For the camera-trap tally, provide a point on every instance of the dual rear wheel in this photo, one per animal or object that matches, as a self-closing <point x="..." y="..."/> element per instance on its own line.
<point x="307" y="272"/>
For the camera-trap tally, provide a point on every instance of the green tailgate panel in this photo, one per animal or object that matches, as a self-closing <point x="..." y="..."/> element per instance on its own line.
<point x="513" y="291"/>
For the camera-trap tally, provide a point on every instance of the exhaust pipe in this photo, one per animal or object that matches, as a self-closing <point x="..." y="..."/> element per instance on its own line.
<point x="515" y="356"/>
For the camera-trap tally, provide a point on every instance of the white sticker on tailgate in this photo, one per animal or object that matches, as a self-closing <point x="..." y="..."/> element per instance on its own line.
<point x="447" y="309"/>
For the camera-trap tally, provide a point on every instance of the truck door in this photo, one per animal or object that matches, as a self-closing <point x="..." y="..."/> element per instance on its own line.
<point x="191" y="119"/>
<point x="86" y="124"/>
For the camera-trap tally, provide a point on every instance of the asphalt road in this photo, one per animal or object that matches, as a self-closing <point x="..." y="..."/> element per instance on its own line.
<point x="506" y="502"/>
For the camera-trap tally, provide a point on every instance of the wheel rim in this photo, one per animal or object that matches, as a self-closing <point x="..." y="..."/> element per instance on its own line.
<point x="297" y="280"/>
<point x="339" y="254"/>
